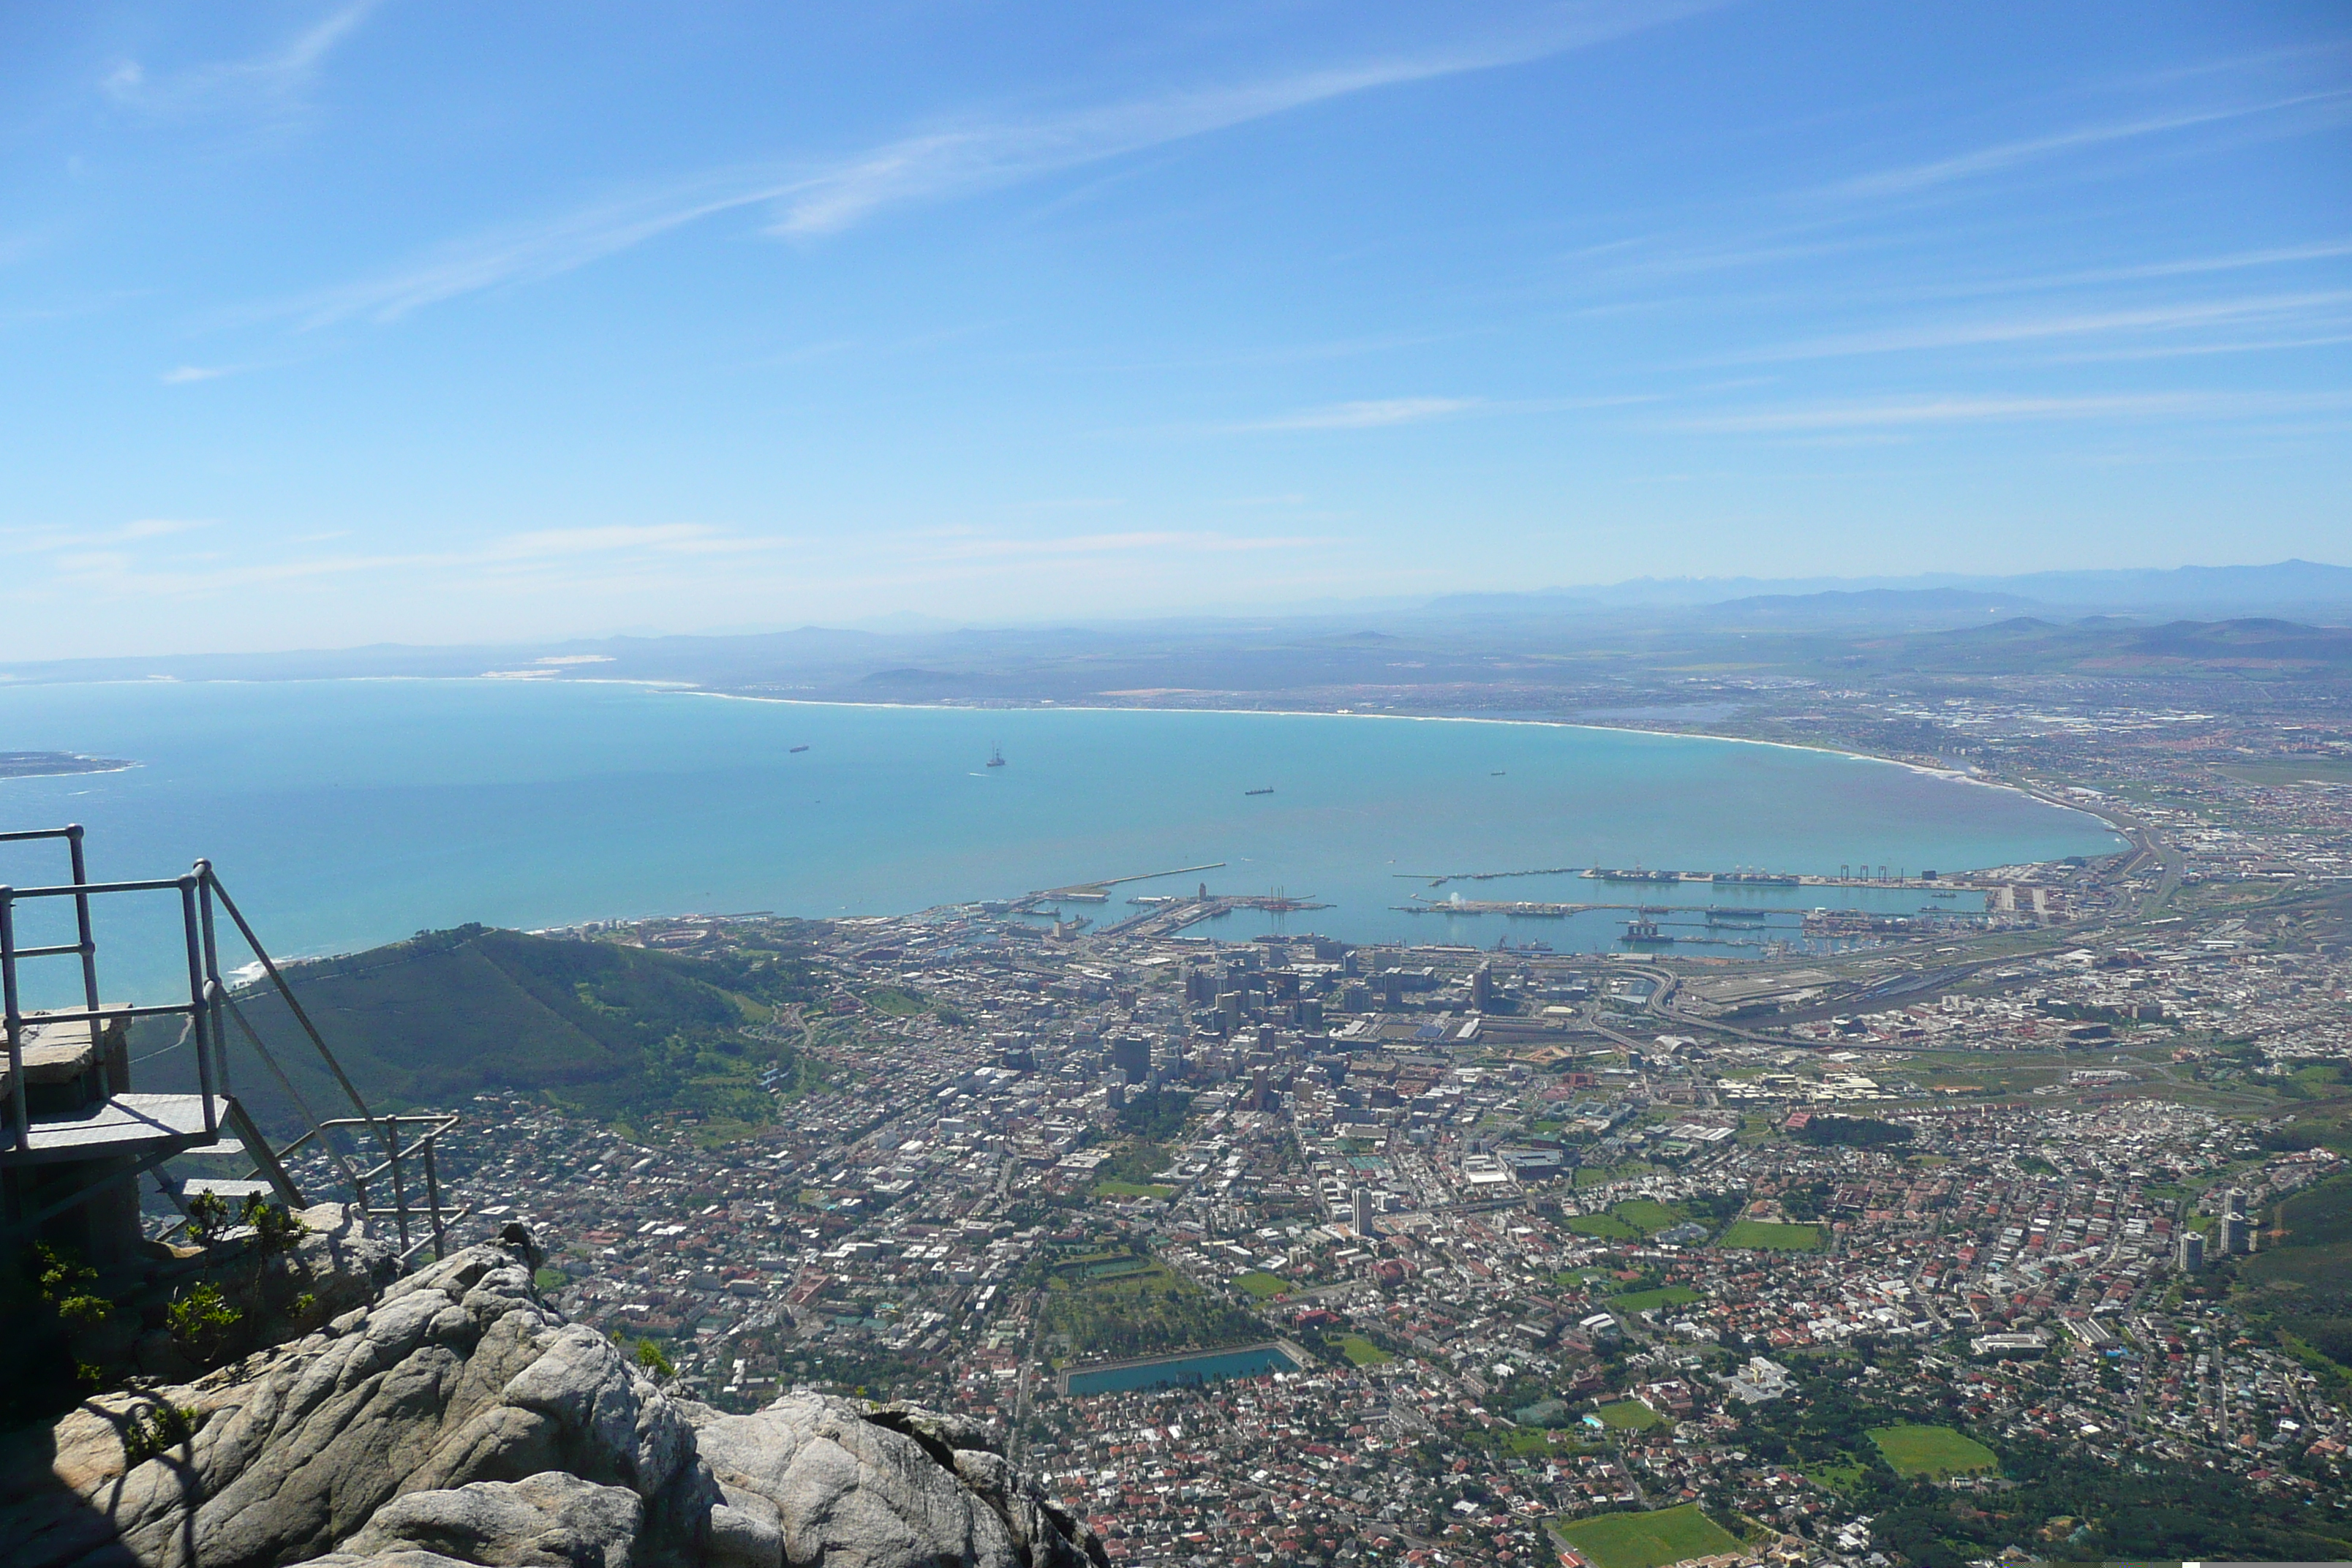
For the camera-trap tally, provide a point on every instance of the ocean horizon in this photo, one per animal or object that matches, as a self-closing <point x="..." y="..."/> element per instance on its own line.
<point x="345" y="814"/>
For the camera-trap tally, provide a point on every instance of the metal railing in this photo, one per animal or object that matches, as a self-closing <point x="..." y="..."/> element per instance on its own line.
<point x="210" y="1007"/>
<point x="419" y="1152"/>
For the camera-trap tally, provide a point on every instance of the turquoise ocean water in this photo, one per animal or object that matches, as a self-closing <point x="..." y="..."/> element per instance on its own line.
<point x="345" y="814"/>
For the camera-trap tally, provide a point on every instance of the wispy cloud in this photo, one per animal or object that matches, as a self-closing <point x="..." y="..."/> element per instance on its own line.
<point x="2183" y="317"/>
<point x="188" y="375"/>
<point x="158" y="527"/>
<point x="532" y="253"/>
<point x="1126" y="543"/>
<point x="102" y="560"/>
<point x="1374" y="414"/>
<point x="672" y="537"/>
<point x="1900" y="413"/>
<point x="267" y="80"/>
<point x="2006" y="155"/>
<point x="814" y="198"/>
<point x="679" y="556"/>
<point x="954" y="162"/>
<point x="1369" y="415"/>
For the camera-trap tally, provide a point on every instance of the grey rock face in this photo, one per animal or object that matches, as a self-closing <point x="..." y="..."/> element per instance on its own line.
<point x="553" y="1518"/>
<point x="811" y="1480"/>
<point x="347" y="1267"/>
<point x="458" y="1421"/>
<point x="438" y="1385"/>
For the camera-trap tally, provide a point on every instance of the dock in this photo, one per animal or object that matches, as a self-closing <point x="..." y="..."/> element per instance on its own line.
<point x="1099" y="892"/>
<point x="1167" y="916"/>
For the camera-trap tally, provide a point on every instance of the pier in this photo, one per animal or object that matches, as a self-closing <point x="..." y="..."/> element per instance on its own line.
<point x="1099" y="892"/>
<point x="1166" y="915"/>
<point x="1847" y="877"/>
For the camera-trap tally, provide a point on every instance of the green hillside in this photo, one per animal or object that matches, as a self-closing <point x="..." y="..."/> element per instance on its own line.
<point x="621" y="1033"/>
<point x="2300" y="1285"/>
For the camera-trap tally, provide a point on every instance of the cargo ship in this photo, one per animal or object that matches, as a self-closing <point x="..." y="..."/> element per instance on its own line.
<point x="798" y="750"/>
<point x="1267" y="790"/>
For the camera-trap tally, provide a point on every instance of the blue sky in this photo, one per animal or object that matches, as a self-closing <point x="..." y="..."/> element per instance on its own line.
<point x="327" y="324"/>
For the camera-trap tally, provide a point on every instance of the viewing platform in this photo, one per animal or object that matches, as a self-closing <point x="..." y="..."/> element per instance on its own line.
<point x="76" y="1139"/>
<point x="141" y="1124"/>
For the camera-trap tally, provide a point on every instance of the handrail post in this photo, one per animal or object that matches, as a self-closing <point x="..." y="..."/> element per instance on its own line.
<point x="399" y="1188"/>
<point x="212" y="969"/>
<point x="433" y="1198"/>
<point x="85" y="935"/>
<point x="12" y="1018"/>
<point x="199" y="1003"/>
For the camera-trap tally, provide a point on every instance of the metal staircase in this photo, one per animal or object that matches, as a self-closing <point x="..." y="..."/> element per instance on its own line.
<point x="73" y="1135"/>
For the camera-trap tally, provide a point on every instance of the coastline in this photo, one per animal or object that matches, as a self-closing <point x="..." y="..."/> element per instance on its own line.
<point x="687" y="688"/>
<point x="630" y="902"/>
<point x="1951" y="774"/>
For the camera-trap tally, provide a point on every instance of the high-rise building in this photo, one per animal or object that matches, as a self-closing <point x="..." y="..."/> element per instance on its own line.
<point x="1482" y="987"/>
<point x="2192" y="1251"/>
<point x="1360" y="1202"/>
<point x="1131" y="1053"/>
<point x="2237" y="1233"/>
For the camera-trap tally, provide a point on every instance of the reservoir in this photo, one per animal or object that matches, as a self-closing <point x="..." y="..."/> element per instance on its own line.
<point x="346" y="813"/>
<point x="1178" y="1371"/>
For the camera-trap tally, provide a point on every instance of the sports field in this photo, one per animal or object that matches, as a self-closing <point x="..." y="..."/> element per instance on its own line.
<point x="1647" y="1217"/>
<point x="1770" y="1238"/>
<point x="1361" y="1351"/>
<point x="1647" y="1540"/>
<point x="1664" y="1296"/>
<point x="1607" y="1228"/>
<point x="1932" y="1451"/>
<point x="1133" y="1190"/>
<point x="1262" y="1285"/>
<point x="1628" y="1414"/>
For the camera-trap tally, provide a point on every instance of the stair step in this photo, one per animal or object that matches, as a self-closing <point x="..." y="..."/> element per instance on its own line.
<point x="223" y="1188"/>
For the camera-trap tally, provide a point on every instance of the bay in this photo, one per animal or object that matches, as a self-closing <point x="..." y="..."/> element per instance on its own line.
<point x="346" y="813"/>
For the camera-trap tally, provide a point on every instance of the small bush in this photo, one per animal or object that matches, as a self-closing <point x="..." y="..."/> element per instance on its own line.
<point x="157" y="1430"/>
<point x="275" y="1228"/>
<point x="209" y="1218"/>
<point x="650" y="1357"/>
<point x="201" y="1320"/>
<point x="67" y="1285"/>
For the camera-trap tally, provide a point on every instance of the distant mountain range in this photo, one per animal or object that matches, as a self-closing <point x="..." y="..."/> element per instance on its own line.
<point x="2304" y="588"/>
<point x="2206" y="618"/>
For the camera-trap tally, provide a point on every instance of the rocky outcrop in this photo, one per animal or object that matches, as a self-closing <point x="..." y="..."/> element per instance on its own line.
<point x="811" y="1480"/>
<point x="459" y="1420"/>
<point x="549" y="1517"/>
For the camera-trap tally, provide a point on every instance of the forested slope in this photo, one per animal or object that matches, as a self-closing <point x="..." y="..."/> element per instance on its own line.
<point x="619" y="1032"/>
